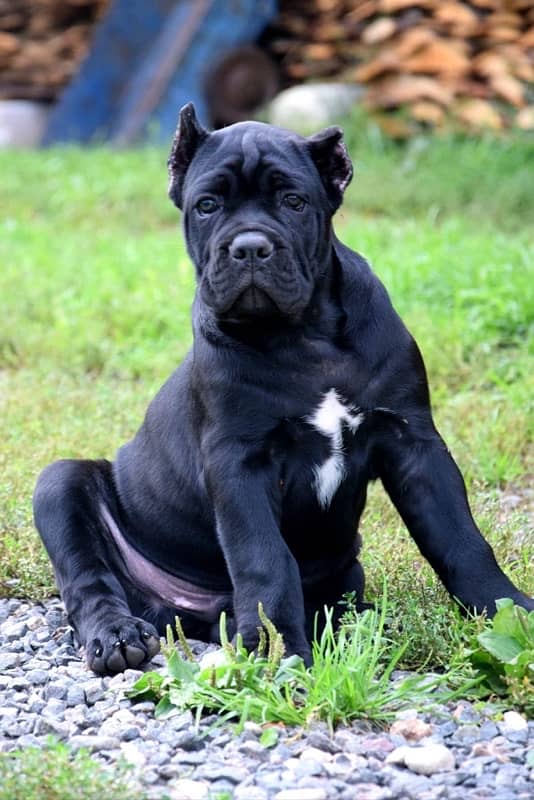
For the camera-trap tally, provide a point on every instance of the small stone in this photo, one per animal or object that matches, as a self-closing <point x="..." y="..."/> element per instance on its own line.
<point x="398" y="756"/>
<point x="37" y="677"/>
<point x="322" y="742"/>
<point x="512" y="722"/>
<point x="314" y="753"/>
<point x="464" y="712"/>
<point x="253" y="727"/>
<point x="146" y="707"/>
<point x="406" y="714"/>
<point x="253" y="749"/>
<point x="429" y="759"/>
<point x="54" y="618"/>
<point x="93" y="743"/>
<point x="222" y="772"/>
<point x="50" y="726"/>
<point x="132" y="754"/>
<point x="493" y="750"/>
<point x="343" y="763"/>
<point x="411" y="729"/>
<point x="13" y="630"/>
<point x="186" y="789"/>
<point x="506" y="775"/>
<point x="35" y="621"/>
<point x="303" y="793"/>
<point x="370" y="791"/>
<point x="306" y="767"/>
<point x="466" y="734"/>
<point x="183" y="757"/>
<point x="129" y="734"/>
<point x="94" y="691"/>
<point x="9" y="661"/>
<point x="488" y="730"/>
<point x="55" y="690"/>
<point x="75" y="696"/>
<point x="247" y="792"/>
<point x="448" y="728"/>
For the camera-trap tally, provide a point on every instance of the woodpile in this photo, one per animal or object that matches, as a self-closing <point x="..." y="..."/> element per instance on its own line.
<point x="42" y="43"/>
<point x="439" y="61"/>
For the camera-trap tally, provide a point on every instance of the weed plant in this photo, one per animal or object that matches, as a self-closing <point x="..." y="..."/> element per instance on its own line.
<point x="57" y="773"/>
<point x="350" y="678"/>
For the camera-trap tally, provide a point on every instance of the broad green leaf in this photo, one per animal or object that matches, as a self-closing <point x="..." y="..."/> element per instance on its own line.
<point x="504" y="648"/>
<point x="164" y="708"/>
<point x="147" y="686"/>
<point x="269" y="737"/>
<point x="179" y="669"/>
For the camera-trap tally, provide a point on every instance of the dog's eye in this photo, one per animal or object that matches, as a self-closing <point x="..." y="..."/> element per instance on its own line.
<point x="294" y="202"/>
<point x="207" y="205"/>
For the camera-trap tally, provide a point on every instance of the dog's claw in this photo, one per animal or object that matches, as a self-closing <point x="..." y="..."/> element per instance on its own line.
<point x="127" y="643"/>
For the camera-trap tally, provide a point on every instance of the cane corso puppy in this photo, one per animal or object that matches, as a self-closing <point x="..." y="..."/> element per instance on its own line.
<point x="248" y="477"/>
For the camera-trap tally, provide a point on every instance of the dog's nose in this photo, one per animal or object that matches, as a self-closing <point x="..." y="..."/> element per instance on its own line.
<point x="251" y="245"/>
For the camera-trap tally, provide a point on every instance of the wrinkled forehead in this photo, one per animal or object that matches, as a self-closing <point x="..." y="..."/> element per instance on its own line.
<point x="246" y="149"/>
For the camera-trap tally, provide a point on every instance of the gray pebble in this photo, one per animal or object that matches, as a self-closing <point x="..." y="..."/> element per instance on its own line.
<point x="91" y="743"/>
<point x="9" y="661"/>
<point x="37" y="677"/>
<point x="220" y="771"/>
<point x="75" y="695"/>
<point x="46" y="688"/>
<point x="94" y="691"/>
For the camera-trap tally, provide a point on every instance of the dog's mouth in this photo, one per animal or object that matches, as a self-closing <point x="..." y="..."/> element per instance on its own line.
<point x="251" y="303"/>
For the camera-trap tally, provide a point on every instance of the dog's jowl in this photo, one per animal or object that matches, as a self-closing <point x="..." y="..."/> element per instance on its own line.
<point x="248" y="477"/>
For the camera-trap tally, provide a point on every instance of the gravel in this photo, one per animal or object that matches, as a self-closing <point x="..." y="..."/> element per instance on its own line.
<point x="459" y="752"/>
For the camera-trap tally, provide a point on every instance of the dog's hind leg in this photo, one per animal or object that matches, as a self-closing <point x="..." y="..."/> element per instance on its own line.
<point x="67" y="502"/>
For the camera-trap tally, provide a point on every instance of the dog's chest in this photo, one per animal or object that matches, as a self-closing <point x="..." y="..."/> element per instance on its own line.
<point x="331" y="419"/>
<point x="321" y="450"/>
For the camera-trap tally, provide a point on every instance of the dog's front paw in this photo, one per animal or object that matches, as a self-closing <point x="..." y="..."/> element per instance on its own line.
<point x="124" y="642"/>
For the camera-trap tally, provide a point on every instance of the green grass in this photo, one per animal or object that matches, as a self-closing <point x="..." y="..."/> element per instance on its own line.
<point x="56" y="773"/>
<point x="352" y="677"/>
<point x="96" y="289"/>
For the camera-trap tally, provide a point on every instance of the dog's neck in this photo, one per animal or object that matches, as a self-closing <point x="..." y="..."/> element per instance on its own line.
<point x="323" y="317"/>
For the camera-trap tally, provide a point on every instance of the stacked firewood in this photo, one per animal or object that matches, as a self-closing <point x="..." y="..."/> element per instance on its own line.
<point x="42" y="43"/>
<point x="437" y="60"/>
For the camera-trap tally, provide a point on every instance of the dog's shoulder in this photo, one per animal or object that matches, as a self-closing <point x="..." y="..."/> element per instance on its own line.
<point x="365" y="297"/>
<point x="376" y="332"/>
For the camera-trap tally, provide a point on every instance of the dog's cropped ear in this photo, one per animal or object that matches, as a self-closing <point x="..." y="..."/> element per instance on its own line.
<point x="330" y="155"/>
<point x="189" y="135"/>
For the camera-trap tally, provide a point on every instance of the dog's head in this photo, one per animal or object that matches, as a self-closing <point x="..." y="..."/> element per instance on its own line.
<point x="257" y="204"/>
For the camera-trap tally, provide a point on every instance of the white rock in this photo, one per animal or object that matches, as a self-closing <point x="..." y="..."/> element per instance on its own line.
<point x="429" y="759"/>
<point x="314" y="754"/>
<point x="397" y="756"/>
<point x="244" y="792"/>
<point x="213" y="658"/>
<point x="186" y="789"/>
<point x="132" y="754"/>
<point x="311" y="106"/>
<point x="22" y="123"/>
<point x="512" y="721"/>
<point x="301" y="794"/>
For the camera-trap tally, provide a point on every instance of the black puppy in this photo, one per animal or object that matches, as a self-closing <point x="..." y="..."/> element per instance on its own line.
<point x="248" y="477"/>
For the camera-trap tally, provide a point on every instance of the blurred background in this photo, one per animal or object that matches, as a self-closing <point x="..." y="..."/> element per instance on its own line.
<point x="118" y="70"/>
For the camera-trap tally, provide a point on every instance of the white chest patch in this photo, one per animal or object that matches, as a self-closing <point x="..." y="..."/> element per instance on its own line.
<point x="328" y="419"/>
